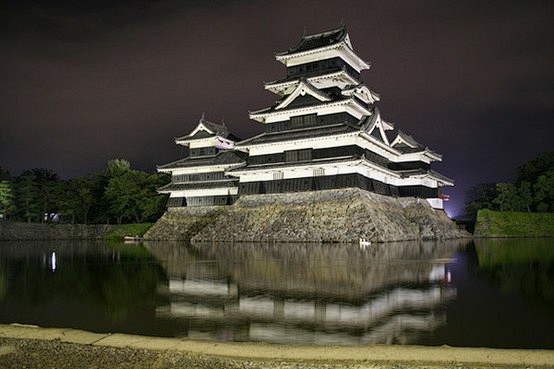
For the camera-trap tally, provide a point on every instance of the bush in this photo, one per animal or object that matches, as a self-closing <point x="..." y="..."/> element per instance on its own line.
<point x="514" y="224"/>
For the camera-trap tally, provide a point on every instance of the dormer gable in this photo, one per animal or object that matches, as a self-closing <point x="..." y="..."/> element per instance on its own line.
<point x="304" y="88"/>
<point x="375" y="126"/>
<point x="207" y="134"/>
<point x="361" y="92"/>
<point x="408" y="145"/>
<point x="402" y="139"/>
<point x="213" y="129"/>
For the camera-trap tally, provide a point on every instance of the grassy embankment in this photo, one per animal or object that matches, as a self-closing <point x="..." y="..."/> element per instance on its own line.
<point x="514" y="224"/>
<point x="133" y="229"/>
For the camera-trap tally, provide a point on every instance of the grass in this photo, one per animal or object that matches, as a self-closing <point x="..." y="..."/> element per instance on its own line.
<point x="514" y="224"/>
<point x="132" y="229"/>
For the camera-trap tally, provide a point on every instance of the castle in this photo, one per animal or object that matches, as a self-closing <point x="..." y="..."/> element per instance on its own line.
<point x="324" y="132"/>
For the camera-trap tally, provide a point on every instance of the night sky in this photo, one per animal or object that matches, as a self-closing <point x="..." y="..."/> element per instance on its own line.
<point x="87" y="82"/>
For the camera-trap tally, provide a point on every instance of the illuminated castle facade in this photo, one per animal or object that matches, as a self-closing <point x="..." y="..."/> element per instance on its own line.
<point x="324" y="132"/>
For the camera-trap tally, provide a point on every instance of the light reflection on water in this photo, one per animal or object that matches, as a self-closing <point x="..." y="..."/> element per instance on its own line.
<point x="454" y="292"/>
<point x="298" y="293"/>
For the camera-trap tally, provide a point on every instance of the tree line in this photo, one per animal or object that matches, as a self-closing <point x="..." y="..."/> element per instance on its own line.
<point x="532" y="191"/>
<point x="115" y="195"/>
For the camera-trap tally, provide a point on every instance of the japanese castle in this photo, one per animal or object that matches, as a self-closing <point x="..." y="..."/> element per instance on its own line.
<point x="324" y="132"/>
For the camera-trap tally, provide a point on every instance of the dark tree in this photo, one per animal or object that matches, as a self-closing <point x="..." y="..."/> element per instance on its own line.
<point x="533" y="190"/>
<point x="480" y="197"/>
<point x="118" y="192"/>
<point x="531" y="170"/>
<point x="5" y="175"/>
<point x="544" y="192"/>
<point x="47" y="182"/>
<point x="27" y="193"/>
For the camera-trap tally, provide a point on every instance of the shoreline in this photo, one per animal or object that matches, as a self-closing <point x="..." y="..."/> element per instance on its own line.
<point x="20" y="342"/>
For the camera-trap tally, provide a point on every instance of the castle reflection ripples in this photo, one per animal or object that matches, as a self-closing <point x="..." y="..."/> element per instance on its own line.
<point x="301" y="293"/>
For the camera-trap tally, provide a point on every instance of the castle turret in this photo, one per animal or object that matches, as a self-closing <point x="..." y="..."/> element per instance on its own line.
<point x="200" y="179"/>
<point x="325" y="131"/>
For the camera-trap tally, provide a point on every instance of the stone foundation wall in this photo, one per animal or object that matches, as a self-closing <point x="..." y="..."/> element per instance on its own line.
<point x="39" y="231"/>
<point x="344" y="215"/>
<point x="181" y="224"/>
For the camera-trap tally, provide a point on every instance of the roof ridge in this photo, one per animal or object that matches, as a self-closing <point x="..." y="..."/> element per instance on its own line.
<point x="326" y="33"/>
<point x="318" y="40"/>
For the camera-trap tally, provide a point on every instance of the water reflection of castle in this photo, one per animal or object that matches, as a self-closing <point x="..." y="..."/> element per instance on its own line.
<point x="306" y="294"/>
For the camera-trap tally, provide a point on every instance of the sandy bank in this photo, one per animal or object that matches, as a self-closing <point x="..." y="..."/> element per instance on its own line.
<point x="25" y="346"/>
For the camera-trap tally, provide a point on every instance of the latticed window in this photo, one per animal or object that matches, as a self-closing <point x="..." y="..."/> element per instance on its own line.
<point x="298" y="155"/>
<point x="291" y="156"/>
<point x="309" y="119"/>
<point x="250" y="187"/>
<point x="296" y="121"/>
<point x="305" y="154"/>
<point x="303" y="120"/>
<point x="278" y="175"/>
<point x="174" y="202"/>
<point x="210" y="176"/>
<point x="319" y="172"/>
<point x="203" y="151"/>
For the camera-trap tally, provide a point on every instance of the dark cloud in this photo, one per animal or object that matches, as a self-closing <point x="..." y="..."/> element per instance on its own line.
<point x="86" y="81"/>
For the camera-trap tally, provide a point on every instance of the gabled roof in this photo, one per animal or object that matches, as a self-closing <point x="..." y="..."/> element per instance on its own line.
<point x="308" y="106"/>
<point x="272" y="109"/>
<point x="406" y="143"/>
<point x="318" y="40"/>
<point x="204" y="126"/>
<point x="361" y="92"/>
<point x="304" y="88"/>
<point x="375" y="126"/>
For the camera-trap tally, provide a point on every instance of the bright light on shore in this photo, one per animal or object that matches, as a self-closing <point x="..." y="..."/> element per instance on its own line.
<point x="53" y="260"/>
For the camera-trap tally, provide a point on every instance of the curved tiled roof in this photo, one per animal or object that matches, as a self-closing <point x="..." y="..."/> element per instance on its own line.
<point x="221" y="158"/>
<point x="315" y="41"/>
<point x="306" y="75"/>
<point x="343" y="159"/>
<point x="316" y="131"/>
<point x="216" y="129"/>
<point x="308" y="103"/>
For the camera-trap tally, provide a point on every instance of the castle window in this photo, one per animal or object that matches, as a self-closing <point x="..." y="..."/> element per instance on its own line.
<point x="181" y="178"/>
<point x="305" y="155"/>
<point x="319" y="172"/>
<point x="174" y="202"/>
<point x="278" y="176"/>
<point x="303" y="120"/>
<point x="298" y="155"/>
<point x="296" y="121"/>
<point x="291" y="156"/>
<point x="310" y="119"/>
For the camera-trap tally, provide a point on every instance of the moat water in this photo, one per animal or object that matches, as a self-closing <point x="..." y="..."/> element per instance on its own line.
<point x="490" y="293"/>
